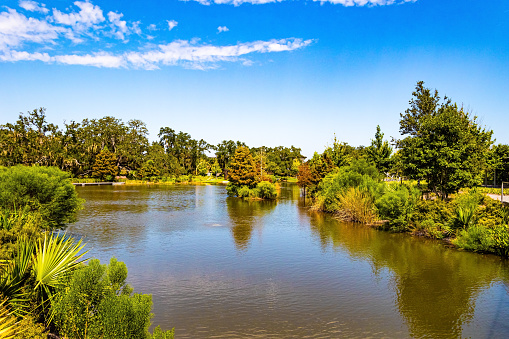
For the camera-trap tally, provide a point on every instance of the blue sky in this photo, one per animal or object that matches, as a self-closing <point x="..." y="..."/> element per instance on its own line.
<point x="264" y="72"/>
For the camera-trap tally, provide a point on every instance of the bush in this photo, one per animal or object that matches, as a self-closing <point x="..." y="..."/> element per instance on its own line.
<point x="398" y="206"/>
<point x="437" y="211"/>
<point x="246" y="193"/>
<point x="475" y="238"/>
<point x="357" y="206"/>
<point x="96" y="302"/>
<point x="500" y="239"/>
<point x="160" y="334"/>
<point x="266" y="190"/>
<point x="46" y="190"/>
<point x="231" y="190"/>
<point x="30" y="329"/>
<point x="360" y="174"/>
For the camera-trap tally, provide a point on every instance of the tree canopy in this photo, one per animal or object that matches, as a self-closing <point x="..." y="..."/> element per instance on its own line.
<point x="445" y="145"/>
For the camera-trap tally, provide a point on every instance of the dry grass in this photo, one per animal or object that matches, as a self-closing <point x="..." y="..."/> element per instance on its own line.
<point x="357" y="206"/>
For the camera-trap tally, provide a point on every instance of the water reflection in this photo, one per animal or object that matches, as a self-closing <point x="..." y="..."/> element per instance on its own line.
<point x="245" y="215"/>
<point x="436" y="287"/>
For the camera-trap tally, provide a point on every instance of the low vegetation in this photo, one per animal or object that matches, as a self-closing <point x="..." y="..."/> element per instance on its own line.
<point x="45" y="284"/>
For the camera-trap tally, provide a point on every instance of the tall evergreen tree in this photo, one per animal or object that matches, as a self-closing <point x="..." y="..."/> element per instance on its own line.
<point x="380" y="152"/>
<point x="105" y="165"/>
<point x="242" y="171"/>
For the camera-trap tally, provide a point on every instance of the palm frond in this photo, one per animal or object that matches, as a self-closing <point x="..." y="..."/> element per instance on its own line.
<point x="8" y="325"/>
<point x="54" y="258"/>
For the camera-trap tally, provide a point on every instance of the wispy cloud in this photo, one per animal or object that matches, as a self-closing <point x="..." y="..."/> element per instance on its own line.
<point x="184" y="53"/>
<point x="236" y="2"/>
<point x="346" y="3"/>
<point x="16" y="29"/>
<point x="172" y="24"/>
<point x="65" y="37"/>
<point x="33" y="6"/>
<point x="88" y="16"/>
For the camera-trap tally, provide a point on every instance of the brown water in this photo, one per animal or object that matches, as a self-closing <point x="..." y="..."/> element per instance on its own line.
<point x="220" y="267"/>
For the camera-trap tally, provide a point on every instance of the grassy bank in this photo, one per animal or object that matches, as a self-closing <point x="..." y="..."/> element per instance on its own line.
<point x="469" y="219"/>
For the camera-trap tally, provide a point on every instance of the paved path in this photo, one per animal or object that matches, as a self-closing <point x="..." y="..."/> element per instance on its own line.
<point x="497" y="197"/>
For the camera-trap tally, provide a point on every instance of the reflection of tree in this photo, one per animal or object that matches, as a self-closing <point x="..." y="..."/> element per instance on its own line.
<point x="436" y="287"/>
<point x="246" y="216"/>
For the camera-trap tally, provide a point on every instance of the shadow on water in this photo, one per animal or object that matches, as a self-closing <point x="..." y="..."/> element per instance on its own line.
<point x="436" y="286"/>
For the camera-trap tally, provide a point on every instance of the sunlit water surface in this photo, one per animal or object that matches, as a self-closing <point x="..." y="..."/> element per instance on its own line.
<point x="221" y="267"/>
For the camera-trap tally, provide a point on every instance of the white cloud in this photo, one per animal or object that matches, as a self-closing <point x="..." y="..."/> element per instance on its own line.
<point x="16" y="29"/>
<point x="88" y="16"/>
<point x="206" y="56"/>
<point x="348" y="3"/>
<point x="47" y="38"/>
<point x="172" y="24"/>
<point x="118" y="27"/>
<point x="33" y="6"/>
<point x="236" y="2"/>
<point x="100" y="59"/>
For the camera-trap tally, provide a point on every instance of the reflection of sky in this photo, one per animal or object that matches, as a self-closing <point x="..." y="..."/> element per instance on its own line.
<point x="292" y="273"/>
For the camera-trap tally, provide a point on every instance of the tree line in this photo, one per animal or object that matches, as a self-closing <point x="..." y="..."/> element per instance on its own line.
<point x="108" y="147"/>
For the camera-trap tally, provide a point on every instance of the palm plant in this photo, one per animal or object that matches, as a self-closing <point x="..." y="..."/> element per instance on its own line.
<point x="8" y="325"/>
<point x="465" y="217"/>
<point x="54" y="259"/>
<point x="49" y="261"/>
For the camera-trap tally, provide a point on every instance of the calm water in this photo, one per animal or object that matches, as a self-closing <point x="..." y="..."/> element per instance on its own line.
<point x="219" y="267"/>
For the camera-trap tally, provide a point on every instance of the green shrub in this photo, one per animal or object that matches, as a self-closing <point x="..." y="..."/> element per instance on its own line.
<point x="46" y="190"/>
<point x="437" y="210"/>
<point x="266" y="190"/>
<point x="500" y="239"/>
<point x="475" y="238"/>
<point x="231" y="190"/>
<point x="31" y="329"/>
<point x="360" y="174"/>
<point x="96" y="302"/>
<point x="246" y="192"/>
<point x="433" y="229"/>
<point x="398" y="206"/>
<point x="160" y="334"/>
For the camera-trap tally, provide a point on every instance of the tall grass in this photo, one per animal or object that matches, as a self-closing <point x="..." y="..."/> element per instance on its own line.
<point x="357" y="205"/>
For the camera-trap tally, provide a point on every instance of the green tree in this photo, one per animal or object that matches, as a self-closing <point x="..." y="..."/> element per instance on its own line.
<point x="445" y="145"/>
<point x="380" y="152"/>
<point x="203" y="167"/>
<point x="498" y="163"/>
<point x="215" y="168"/>
<point x="242" y="171"/>
<point x="105" y="166"/>
<point x="338" y="153"/>
<point x="148" y="170"/>
<point x="45" y="190"/>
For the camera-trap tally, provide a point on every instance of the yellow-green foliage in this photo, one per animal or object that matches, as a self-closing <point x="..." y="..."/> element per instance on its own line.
<point x="30" y="329"/>
<point x="357" y="205"/>
<point x="8" y="325"/>
<point x="97" y="303"/>
<point x="160" y="334"/>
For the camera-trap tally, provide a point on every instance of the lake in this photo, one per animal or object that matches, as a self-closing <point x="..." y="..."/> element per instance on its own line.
<point x="220" y="267"/>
